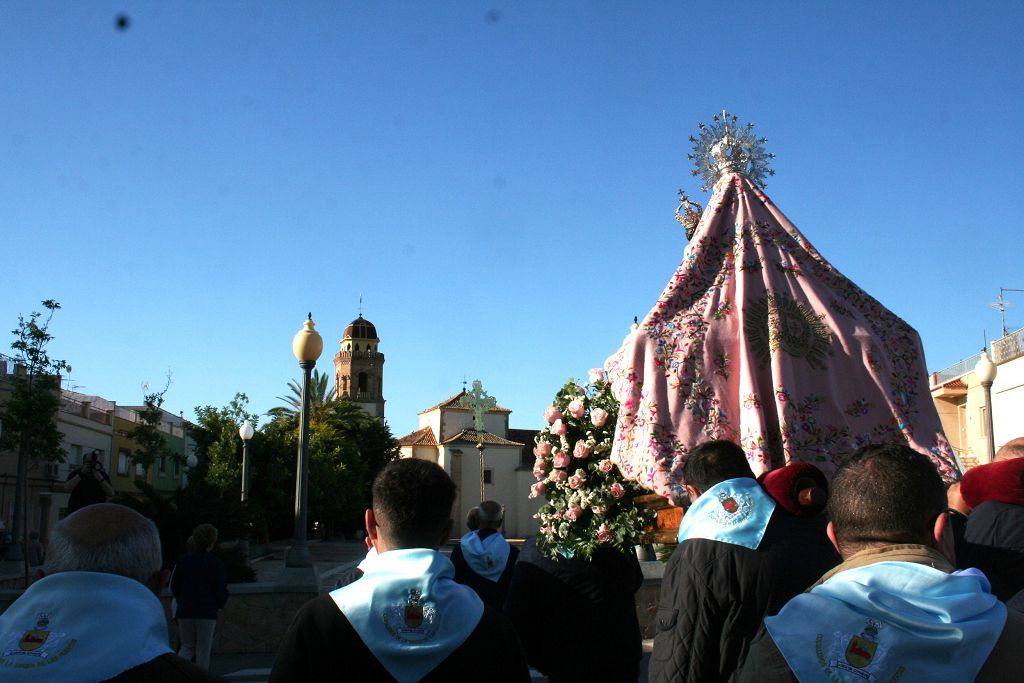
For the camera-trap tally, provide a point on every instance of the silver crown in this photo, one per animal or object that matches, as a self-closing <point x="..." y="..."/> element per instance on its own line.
<point x="726" y="146"/>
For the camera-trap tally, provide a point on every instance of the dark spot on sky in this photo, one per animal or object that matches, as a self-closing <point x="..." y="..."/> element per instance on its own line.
<point x="493" y="16"/>
<point x="122" y="22"/>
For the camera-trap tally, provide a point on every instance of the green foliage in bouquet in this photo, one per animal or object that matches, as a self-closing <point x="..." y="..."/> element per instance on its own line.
<point x="589" y="503"/>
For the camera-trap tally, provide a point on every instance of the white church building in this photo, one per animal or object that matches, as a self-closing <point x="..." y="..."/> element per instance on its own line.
<point x="447" y="437"/>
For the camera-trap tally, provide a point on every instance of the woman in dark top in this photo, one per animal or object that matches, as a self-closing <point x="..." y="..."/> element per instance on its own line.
<point x="200" y="587"/>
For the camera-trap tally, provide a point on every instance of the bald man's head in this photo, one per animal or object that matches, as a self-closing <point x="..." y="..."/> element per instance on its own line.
<point x="1014" y="448"/>
<point x="107" y="538"/>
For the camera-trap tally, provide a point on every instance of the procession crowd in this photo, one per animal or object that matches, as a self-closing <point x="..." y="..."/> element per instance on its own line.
<point x="882" y="574"/>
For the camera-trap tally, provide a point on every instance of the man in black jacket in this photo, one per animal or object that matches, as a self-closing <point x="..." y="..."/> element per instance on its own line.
<point x="483" y="560"/>
<point x="740" y="558"/>
<point x="404" y="619"/>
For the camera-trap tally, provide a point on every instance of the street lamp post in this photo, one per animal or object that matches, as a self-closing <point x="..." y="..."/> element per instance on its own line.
<point x="245" y="431"/>
<point x="985" y="372"/>
<point x="307" y="346"/>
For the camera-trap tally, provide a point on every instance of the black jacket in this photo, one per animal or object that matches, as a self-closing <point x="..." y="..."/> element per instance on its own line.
<point x="577" y="619"/>
<point x="321" y="645"/>
<point x="493" y="593"/>
<point x="200" y="586"/>
<point x="714" y="595"/>
<point x="997" y="524"/>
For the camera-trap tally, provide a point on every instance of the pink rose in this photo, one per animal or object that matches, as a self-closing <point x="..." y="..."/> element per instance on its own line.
<point x="581" y="450"/>
<point x="595" y="375"/>
<point x="576" y="481"/>
<point x="576" y="408"/>
<point x="559" y="475"/>
<point x="539" y="473"/>
<point x="552" y="413"/>
<point x="537" y="490"/>
<point x="558" y="428"/>
<point x="617" y="490"/>
<point x="573" y="513"/>
<point x="598" y="509"/>
<point x="542" y="450"/>
<point x="604" y="534"/>
<point x="605" y="466"/>
<point x="562" y="459"/>
<point x="598" y="416"/>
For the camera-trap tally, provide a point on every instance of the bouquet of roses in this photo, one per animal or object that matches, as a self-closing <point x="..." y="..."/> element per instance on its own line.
<point x="589" y="503"/>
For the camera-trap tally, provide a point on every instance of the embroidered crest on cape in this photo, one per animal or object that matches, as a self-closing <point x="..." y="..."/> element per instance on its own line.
<point x="735" y="507"/>
<point x="37" y="643"/>
<point x="411" y="622"/>
<point x="861" y="654"/>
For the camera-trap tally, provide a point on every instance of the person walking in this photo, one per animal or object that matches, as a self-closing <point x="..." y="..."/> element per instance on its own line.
<point x="199" y="585"/>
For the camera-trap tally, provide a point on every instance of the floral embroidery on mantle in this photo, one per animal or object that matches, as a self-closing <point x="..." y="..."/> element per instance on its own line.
<point x="758" y="339"/>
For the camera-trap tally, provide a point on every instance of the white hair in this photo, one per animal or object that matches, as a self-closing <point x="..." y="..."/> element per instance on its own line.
<point x="134" y="553"/>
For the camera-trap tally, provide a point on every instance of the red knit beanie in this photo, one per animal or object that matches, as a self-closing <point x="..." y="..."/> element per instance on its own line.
<point x="999" y="481"/>
<point x="800" y="487"/>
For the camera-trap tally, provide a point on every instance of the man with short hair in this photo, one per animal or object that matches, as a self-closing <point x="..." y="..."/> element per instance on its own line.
<point x="405" y="618"/>
<point x="94" y="615"/>
<point x="483" y="559"/>
<point x="740" y="557"/>
<point x="895" y="608"/>
<point x="1014" y="448"/>
<point x="88" y="484"/>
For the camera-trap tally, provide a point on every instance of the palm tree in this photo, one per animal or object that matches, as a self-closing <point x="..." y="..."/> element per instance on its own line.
<point x="320" y="398"/>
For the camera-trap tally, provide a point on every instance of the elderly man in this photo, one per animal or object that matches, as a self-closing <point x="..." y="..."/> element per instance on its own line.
<point x="483" y="559"/>
<point x="895" y="608"/>
<point x="740" y="557"/>
<point x="405" y="618"/>
<point x="94" y="616"/>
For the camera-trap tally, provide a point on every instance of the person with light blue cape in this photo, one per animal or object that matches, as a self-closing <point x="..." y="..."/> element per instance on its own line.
<point x="483" y="559"/>
<point x="405" y="619"/>
<point x="895" y="609"/>
<point x="94" y="616"/>
<point x="740" y="558"/>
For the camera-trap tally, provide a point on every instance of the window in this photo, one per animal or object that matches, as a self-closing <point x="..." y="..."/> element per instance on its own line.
<point x="487" y="477"/>
<point x="363" y="382"/>
<point x="177" y="468"/>
<point x="124" y="457"/>
<point x="75" y="453"/>
<point x="140" y="471"/>
<point x="163" y="465"/>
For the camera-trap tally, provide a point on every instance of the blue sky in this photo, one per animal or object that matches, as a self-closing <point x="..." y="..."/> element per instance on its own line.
<point x="497" y="179"/>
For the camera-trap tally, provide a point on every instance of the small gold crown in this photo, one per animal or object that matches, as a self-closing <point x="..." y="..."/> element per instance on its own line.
<point x="688" y="213"/>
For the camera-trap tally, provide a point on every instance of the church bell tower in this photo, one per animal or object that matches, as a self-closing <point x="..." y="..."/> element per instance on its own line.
<point x="359" y="367"/>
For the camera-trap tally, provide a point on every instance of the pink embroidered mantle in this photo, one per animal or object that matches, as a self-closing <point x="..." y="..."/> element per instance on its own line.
<point x="758" y="339"/>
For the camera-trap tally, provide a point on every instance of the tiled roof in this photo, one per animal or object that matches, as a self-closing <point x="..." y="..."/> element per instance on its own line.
<point x="470" y="436"/>
<point x="421" y="437"/>
<point x="455" y="403"/>
<point x="957" y="383"/>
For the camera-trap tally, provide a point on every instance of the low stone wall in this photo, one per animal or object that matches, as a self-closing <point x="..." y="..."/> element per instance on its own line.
<point x="255" y="618"/>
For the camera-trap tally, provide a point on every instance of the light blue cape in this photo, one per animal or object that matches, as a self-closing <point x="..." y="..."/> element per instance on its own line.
<point x="734" y="511"/>
<point x="80" y="627"/>
<point x="409" y="611"/>
<point x="889" y="621"/>
<point x="486" y="557"/>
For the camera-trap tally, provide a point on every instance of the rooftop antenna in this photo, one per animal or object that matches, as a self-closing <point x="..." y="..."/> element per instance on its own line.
<point x="360" y="305"/>
<point x="1001" y="304"/>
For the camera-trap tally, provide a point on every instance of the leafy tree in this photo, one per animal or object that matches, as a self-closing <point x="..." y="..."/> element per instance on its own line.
<point x="28" y="415"/>
<point x="218" y="442"/>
